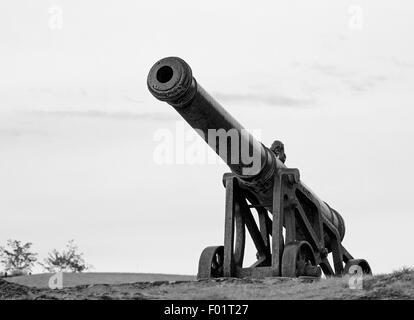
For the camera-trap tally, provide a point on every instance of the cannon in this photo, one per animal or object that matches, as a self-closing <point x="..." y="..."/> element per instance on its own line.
<point x="293" y="230"/>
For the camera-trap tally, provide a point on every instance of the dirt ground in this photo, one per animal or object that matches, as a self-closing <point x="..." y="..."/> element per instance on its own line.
<point x="88" y="278"/>
<point x="398" y="285"/>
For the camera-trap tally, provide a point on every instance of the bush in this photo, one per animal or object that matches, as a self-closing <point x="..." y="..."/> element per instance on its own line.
<point x="69" y="260"/>
<point x="17" y="257"/>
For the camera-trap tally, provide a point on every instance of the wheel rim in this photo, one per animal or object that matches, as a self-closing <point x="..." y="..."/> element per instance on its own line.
<point x="366" y="269"/>
<point x="211" y="263"/>
<point x="299" y="260"/>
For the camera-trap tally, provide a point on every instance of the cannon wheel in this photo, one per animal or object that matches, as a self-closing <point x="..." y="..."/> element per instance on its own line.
<point x="366" y="269"/>
<point x="299" y="260"/>
<point x="210" y="264"/>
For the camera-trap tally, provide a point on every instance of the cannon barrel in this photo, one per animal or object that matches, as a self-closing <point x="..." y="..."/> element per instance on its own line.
<point x="171" y="80"/>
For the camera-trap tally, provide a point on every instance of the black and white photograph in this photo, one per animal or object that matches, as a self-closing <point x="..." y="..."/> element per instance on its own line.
<point x="208" y="151"/>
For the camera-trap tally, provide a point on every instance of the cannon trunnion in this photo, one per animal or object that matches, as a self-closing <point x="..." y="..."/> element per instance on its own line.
<point x="295" y="230"/>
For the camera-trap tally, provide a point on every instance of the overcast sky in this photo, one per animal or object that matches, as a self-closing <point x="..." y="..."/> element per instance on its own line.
<point x="334" y="80"/>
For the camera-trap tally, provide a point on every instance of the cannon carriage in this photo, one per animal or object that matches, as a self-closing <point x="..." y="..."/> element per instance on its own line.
<point x="294" y="232"/>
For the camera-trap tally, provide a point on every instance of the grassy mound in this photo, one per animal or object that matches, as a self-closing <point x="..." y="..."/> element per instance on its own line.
<point x="397" y="285"/>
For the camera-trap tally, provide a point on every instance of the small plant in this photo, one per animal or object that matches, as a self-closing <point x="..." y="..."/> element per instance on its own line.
<point x="69" y="260"/>
<point x="17" y="257"/>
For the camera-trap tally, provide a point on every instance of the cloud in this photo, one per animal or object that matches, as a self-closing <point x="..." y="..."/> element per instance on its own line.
<point x="401" y="63"/>
<point x="19" y="132"/>
<point x="331" y="70"/>
<point x="354" y="81"/>
<point x="96" y="114"/>
<point x="365" y="84"/>
<point x="267" y="99"/>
